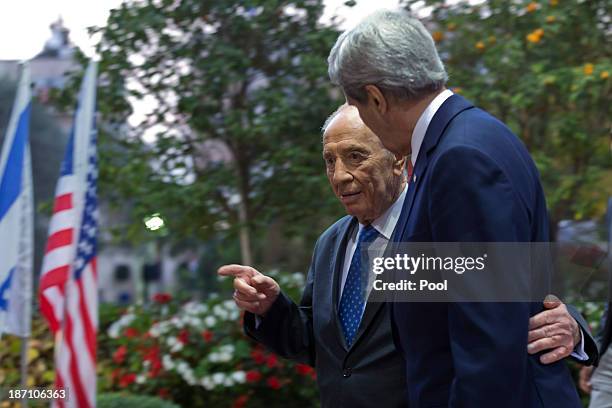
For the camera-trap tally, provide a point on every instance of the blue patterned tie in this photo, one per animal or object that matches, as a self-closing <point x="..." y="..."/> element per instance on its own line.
<point x="352" y="301"/>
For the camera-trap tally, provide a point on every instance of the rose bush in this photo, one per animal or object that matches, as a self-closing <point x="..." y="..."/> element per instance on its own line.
<point x="196" y="354"/>
<point x="190" y="353"/>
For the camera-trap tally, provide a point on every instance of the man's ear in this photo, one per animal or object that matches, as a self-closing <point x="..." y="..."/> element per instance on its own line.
<point x="377" y="99"/>
<point x="399" y="165"/>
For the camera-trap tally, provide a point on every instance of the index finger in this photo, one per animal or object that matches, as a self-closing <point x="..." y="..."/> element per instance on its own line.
<point x="236" y="270"/>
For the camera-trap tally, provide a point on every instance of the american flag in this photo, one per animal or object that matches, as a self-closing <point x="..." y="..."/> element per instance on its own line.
<point x="68" y="285"/>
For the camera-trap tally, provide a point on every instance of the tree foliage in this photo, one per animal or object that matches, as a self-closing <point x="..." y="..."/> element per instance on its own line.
<point x="236" y="93"/>
<point x="542" y="67"/>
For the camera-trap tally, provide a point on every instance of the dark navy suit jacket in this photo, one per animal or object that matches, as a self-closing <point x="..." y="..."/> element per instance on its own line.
<point x="475" y="182"/>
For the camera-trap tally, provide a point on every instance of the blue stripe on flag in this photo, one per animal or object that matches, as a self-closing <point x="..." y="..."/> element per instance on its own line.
<point x="4" y="287"/>
<point x="10" y="185"/>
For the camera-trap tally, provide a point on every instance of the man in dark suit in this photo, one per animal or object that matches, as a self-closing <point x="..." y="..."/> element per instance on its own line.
<point x="473" y="181"/>
<point x="357" y="365"/>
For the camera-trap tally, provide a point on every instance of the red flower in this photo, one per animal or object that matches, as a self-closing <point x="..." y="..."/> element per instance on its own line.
<point x="127" y="379"/>
<point x="156" y="367"/>
<point x="207" y="335"/>
<point x="273" y="383"/>
<point x="119" y="355"/>
<point x="163" y="393"/>
<point x="115" y="374"/>
<point x="131" y="332"/>
<point x="258" y="356"/>
<point x="241" y="401"/>
<point x="253" y="376"/>
<point x="271" y="361"/>
<point x="162" y="298"/>
<point x="183" y="336"/>
<point x="303" y="369"/>
<point x="152" y="354"/>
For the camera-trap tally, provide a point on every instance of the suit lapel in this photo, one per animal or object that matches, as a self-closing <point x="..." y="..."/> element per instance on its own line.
<point x="336" y="264"/>
<point x="371" y="309"/>
<point x="414" y="182"/>
<point x="445" y="114"/>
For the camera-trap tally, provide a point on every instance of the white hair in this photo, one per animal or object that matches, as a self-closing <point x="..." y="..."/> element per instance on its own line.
<point x="391" y="50"/>
<point x="331" y="117"/>
<point x="340" y="110"/>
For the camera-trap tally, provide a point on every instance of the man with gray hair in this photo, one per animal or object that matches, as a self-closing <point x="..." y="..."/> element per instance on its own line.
<point x="473" y="181"/>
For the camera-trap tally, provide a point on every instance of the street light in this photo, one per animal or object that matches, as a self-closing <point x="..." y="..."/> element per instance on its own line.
<point x="154" y="222"/>
<point x="151" y="264"/>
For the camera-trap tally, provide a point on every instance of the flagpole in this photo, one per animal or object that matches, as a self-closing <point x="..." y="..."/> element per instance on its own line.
<point x="27" y="252"/>
<point x="24" y="368"/>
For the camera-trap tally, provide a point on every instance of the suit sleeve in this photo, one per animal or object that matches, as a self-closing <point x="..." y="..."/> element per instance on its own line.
<point x="590" y="345"/>
<point x="287" y="328"/>
<point x="472" y="200"/>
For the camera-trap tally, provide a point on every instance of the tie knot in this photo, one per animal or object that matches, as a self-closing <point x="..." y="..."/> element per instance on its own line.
<point x="368" y="234"/>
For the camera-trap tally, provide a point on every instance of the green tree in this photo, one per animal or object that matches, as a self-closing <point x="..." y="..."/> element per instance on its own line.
<point x="543" y="68"/>
<point x="237" y="93"/>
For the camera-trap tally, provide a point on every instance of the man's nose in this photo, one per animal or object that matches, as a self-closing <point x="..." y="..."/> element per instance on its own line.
<point x="341" y="173"/>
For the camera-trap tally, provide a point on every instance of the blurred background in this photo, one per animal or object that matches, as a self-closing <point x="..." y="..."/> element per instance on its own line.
<point x="210" y="153"/>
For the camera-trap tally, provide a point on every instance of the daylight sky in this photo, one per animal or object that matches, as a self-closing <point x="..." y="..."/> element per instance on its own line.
<point x="24" y="24"/>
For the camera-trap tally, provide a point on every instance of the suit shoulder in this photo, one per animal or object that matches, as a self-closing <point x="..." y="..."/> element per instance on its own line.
<point x="473" y="123"/>
<point x="332" y="231"/>
<point x="479" y="130"/>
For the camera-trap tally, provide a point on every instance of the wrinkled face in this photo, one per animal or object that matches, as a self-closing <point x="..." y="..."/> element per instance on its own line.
<point x="365" y="177"/>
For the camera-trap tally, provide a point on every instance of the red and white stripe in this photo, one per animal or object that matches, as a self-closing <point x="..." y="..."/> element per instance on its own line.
<point x="76" y="357"/>
<point x="59" y="253"/>
<point x="69" y="305"/>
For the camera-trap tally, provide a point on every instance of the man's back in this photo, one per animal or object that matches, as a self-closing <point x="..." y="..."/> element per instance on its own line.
<point x="475" y="182"/>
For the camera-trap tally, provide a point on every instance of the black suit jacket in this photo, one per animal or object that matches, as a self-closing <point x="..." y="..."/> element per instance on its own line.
<point x="368" y="374"/>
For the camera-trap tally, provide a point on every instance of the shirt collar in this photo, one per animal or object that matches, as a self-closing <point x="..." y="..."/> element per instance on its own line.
<point x="418" y="134"/>
<point x="385" y="224"/>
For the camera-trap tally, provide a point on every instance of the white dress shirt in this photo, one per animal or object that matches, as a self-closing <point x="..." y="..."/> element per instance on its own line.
<point x="384" y="225"/>
<point x="418" y="134"/>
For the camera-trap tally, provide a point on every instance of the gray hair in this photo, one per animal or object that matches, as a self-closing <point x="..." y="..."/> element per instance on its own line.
<point x="391" y="50"/>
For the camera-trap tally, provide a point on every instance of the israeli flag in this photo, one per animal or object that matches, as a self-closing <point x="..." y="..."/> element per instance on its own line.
<point x="16" y="217"/>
